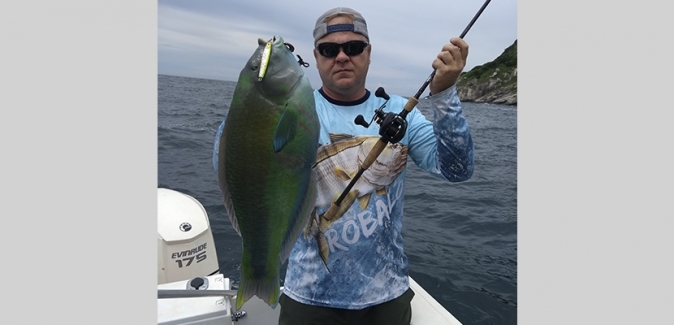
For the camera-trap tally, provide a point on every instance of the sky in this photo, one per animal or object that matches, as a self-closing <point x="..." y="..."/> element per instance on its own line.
<point x="213" y="39"/>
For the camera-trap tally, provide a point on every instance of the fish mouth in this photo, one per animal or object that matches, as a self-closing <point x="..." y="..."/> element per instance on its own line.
<point x="270" y="49"/>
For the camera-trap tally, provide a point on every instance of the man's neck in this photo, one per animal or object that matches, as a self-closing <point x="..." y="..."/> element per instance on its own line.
<point x="345" y="96"/>
<point x="350" y="102"/>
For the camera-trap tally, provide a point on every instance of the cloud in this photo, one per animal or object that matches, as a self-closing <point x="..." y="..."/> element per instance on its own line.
<point x="214" y="39"/>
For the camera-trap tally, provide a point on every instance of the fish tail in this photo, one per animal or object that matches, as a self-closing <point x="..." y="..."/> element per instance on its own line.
<point x="267" y="289"/>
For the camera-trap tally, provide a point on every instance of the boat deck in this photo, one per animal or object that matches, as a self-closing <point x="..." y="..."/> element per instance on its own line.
<point x="216" y="309"/>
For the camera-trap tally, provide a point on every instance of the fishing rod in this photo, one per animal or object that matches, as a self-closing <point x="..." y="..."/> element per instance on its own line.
<point x="392" y="127"/>
<point x="465" y="31"/>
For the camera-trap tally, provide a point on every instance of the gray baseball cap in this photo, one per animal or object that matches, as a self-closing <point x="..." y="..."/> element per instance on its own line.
<point x="359" y="25"/>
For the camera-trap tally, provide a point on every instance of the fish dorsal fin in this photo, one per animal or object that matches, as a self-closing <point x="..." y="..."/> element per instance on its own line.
<point x="285" y="130"/>
<point x="229" y="206"/>
<point x="334" y="137"/>
<point x="224" y="188"/>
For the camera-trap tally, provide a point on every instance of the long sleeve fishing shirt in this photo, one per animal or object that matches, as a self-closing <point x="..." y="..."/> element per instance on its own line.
<point x="367" y="264"/>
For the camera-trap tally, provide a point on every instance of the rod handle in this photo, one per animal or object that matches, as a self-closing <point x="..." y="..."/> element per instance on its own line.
<point x="374" y="153"/>
<point x="411" y="103"/>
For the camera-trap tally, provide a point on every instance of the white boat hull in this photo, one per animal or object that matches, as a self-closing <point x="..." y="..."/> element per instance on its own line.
<point x="219" y="309"/>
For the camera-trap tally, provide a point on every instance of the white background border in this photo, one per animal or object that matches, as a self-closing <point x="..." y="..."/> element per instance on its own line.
<point x="78" y="88"/>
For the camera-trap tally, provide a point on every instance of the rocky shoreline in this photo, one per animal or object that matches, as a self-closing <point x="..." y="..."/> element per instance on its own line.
<point x="494" y="82"/>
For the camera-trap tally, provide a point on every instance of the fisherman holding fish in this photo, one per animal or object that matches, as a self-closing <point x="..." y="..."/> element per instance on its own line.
<point x="285" y="154"/>
<point x="353" y="269"/>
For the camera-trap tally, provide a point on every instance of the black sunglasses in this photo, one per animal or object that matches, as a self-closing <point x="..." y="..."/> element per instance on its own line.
<point x="351" y="48"/>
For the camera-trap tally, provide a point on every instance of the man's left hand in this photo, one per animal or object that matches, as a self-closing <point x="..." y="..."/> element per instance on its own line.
<point x="449" y="64"/>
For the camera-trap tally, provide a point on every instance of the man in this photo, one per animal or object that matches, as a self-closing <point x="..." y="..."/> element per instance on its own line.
<point x="366" y="278"/>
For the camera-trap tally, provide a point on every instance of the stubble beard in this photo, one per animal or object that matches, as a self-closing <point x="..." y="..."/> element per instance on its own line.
<point x="346" y="89"/>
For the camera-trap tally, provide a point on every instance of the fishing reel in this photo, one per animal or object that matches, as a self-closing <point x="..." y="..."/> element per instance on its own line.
<point x="392" y="126"/>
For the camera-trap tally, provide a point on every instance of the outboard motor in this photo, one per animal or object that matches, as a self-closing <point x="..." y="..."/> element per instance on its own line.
<point x="185" y="242"/>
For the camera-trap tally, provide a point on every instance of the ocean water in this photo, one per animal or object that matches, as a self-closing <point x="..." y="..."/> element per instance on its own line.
<point x="461" y="238"/>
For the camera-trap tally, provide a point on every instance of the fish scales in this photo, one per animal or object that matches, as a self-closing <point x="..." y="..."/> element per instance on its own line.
<point x="268" y="145"/>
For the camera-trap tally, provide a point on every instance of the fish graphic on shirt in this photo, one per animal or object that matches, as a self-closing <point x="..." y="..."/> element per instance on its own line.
<point x="337" y="163"/>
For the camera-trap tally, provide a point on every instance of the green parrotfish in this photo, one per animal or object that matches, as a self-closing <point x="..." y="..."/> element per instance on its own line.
<point x="265" y="156"/>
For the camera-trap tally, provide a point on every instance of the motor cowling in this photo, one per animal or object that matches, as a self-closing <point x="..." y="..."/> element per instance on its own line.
<point x="185" y="242"/>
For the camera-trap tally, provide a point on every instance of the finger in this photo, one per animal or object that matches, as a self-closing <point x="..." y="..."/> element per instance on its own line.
<point x="455" y="53"/>
<point x="451" y="51"/>
<point x="462" y="45"/>
<point x="438" y="63"/>
<point x="444" y="60"/>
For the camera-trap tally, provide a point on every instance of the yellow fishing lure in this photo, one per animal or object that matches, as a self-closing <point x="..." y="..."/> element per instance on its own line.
<point x="264" y="64"/>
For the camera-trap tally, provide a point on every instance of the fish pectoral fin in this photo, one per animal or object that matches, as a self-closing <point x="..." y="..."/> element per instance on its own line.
<point x="285" y="129"/>
<point x="381" y="191"/>
<point x="260" y="41"/>
<point x="342" y="174"/>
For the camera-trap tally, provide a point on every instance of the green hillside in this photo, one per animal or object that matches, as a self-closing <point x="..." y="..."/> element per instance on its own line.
<point x="492" y="82"/>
